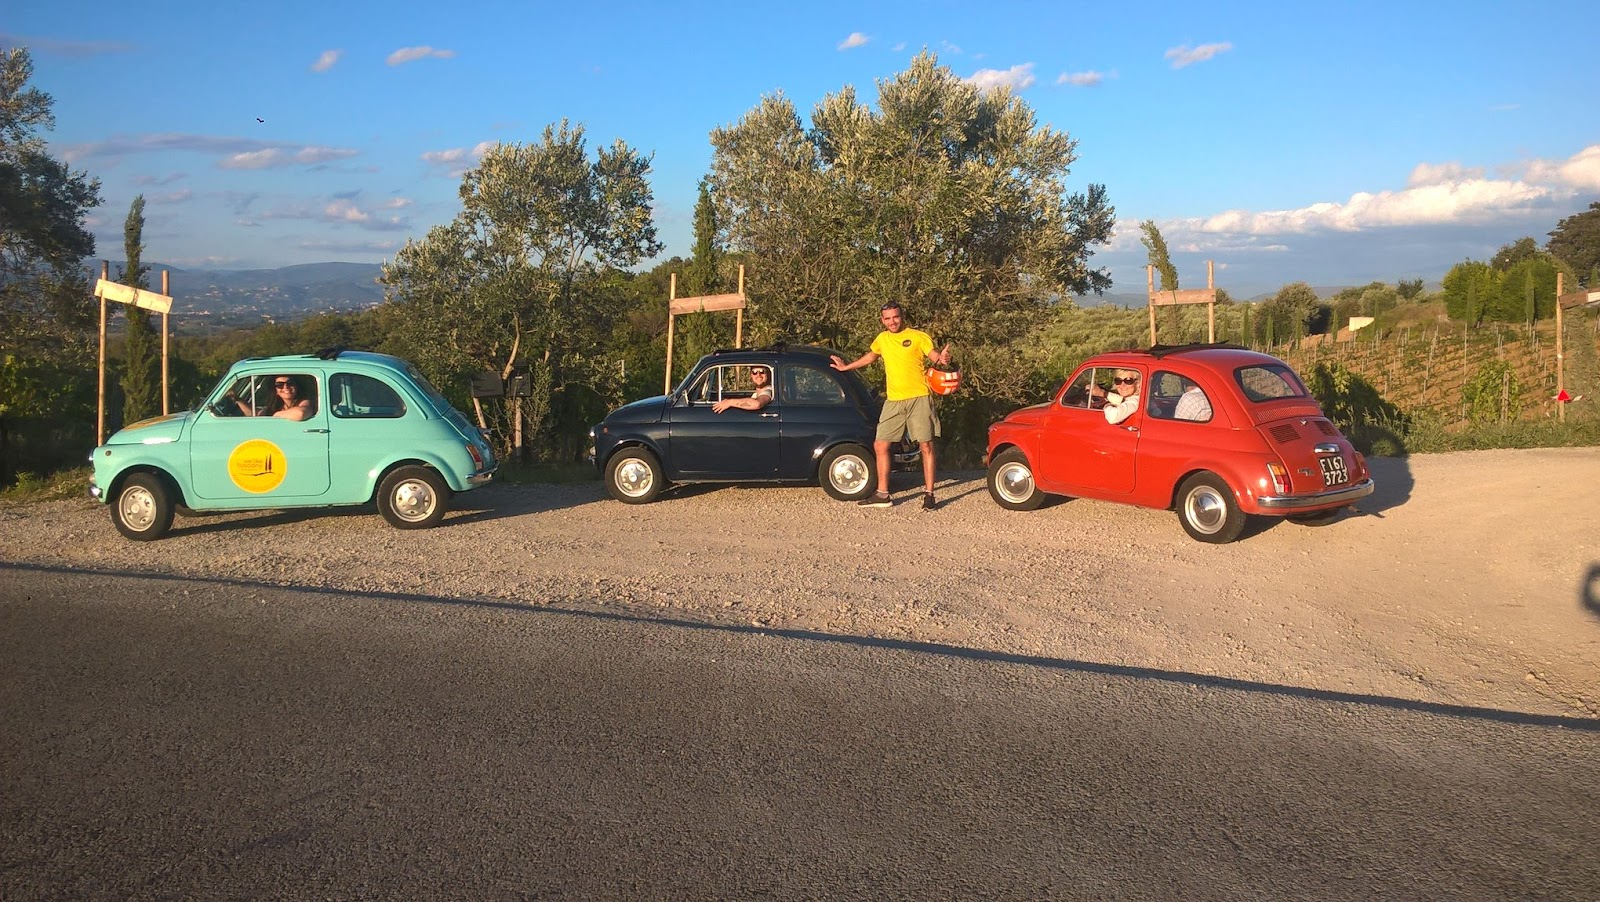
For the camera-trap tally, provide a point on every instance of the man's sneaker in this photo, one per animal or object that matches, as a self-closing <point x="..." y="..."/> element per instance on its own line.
<point x="878" y="500"/>
<point x="928" y="503"/>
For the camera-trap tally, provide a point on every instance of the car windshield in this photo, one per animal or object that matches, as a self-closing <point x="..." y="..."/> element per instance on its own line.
<point x="1271" y="382"/>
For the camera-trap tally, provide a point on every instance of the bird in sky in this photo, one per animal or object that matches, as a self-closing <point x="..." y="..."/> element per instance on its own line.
<point x="259" y="119"/>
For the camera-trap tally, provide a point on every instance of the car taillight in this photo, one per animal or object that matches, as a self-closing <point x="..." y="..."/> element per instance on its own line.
<point x="477" y="459"/>
<point x="1280" y="478"/>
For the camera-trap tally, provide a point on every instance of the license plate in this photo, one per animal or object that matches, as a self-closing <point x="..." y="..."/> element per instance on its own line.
<point x="1334" y="472"/>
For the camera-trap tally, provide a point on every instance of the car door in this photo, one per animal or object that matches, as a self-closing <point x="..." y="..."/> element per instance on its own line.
<point x="370" y="419"/>
<point x="1081" y="453"/>
<point x="817" y="411"/>
<point x="735" y="444"/>
<point x="260" y="458"/>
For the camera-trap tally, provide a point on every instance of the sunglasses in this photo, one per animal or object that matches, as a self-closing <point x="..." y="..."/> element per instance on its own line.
<point x="758" y="373"/>
<point x="1131" y="380"/>
<point x="283" y="384"/>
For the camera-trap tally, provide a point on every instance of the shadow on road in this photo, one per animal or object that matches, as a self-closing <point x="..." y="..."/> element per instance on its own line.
<point x="1589" y="592"/>
<point x="1394" y="484"/>
<point x="1179" y="677"/>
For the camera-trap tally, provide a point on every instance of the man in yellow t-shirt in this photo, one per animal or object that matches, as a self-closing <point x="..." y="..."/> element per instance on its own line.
<point x="908" y="412"/>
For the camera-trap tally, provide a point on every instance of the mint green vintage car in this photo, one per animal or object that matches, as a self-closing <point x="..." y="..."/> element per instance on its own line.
<point x="318" y="430"/>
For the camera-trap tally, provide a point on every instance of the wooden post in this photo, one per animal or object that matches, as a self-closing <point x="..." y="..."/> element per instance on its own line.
<point x="166" y="391"/>
<point x="672" y="295"/>
<point x="1561" y="365"/>
<point x="1150" y="288"/>
<point x="738" y="317"/>
<point x="100" y="419"/>
<point x="1210" y="314"/>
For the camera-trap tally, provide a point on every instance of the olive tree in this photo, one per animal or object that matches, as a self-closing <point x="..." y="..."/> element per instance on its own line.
<point x="944" y="197"/>
<point x="514" y="281"/>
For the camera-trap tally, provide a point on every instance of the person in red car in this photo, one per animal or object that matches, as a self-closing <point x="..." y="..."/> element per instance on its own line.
<point x="905" y="352"/>
<point x="1123" y="399"/>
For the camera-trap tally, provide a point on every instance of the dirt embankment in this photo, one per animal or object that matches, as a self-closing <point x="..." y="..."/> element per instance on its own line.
<point x="1468" y="579"/>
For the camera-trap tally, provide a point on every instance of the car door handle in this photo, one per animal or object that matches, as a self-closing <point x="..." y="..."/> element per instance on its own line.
<point x="1131" y="428"/>
<point x="765" y="414"/>
<point x="316" y="430"/>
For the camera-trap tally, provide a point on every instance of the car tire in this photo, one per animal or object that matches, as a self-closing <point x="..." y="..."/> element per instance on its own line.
<point x="1208" y="511"/>
<point x="413" y="498"/>
<point x="143" y="506"/>
<point x="1011" y="483"/>
<point x="848" y="473"/>
<point x="633" y="476"/>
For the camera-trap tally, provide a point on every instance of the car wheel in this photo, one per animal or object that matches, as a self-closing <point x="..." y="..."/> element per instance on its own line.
<point x="1011" y="482"/>
<point x="848" y="473"/>
<point x="413" y="498"/>
<point x="633" y="476"/>
<point x="143" y="507"/>
<point x="1207" y="510"/>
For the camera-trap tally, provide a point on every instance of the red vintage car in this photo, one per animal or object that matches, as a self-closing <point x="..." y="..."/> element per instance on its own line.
<point x="1215" y="432"/>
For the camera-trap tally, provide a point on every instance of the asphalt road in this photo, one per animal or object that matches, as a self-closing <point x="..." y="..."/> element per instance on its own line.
<point x="196" y="738"/>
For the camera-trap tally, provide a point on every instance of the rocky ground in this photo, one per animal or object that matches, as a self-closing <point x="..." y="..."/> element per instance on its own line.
<point x="1468" y="579"/>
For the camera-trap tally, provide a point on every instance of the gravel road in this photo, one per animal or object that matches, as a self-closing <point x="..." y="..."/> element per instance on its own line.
<point x="1468" y="579"/>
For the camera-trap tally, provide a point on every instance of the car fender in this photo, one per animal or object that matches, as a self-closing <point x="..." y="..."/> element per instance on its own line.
<point x="452" y="474"/>
<point x="630" y="439"/>
<point x="132" y="459"/>
<point x="1246" y="485"/>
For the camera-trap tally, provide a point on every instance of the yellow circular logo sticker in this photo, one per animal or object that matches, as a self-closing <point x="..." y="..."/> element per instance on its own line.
<point x="257" y="466"/>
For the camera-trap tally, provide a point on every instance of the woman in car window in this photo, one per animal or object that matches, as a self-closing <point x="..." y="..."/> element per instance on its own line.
<point x="1123" y="399"/>
<point x="287" y="402"/>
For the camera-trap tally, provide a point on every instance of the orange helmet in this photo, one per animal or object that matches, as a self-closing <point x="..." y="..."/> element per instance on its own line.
<point x="942" y="382"/>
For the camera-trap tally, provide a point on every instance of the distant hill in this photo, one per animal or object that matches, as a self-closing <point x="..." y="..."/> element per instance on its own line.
<point x="243" y="297"/>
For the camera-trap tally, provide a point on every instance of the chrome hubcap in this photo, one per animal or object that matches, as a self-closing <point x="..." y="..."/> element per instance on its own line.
<point x="137" y="507"/>
<point x="1014" y="482"/>
<point x="634" y="477"/>
<point x="414" y="500"/>
<point x="1205" y="509"/>
<point x="849" y="474"/>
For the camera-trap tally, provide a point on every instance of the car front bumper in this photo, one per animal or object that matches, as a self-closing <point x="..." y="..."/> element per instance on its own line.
<point x="1291" y="503"/>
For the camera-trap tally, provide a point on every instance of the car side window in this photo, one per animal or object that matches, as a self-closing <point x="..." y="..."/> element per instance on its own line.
<point x="813" y="387"/>
<point x="719" y="382"/>
<point x="363" y="397"/>
<point x="1078" y="393"/>
<point x="1175" y="397"/>
<point x="257" y="395"/>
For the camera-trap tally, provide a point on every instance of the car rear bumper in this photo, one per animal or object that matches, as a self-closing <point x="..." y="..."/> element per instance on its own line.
<point x="1292" y="503"/>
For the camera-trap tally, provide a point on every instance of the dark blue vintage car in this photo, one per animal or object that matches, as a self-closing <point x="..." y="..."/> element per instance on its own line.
<point x="818" y="427"/>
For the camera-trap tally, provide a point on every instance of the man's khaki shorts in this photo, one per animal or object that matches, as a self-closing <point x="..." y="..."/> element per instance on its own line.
<point x="913" y="418"/>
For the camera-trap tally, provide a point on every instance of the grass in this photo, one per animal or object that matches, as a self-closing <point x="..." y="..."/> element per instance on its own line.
<point x="31" y="488"/>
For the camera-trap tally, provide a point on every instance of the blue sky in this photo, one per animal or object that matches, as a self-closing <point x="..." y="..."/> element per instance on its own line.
<point x="1335" y="143"/>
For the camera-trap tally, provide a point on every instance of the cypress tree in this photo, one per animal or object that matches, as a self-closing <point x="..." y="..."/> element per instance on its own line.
<point x="141" y="376"/>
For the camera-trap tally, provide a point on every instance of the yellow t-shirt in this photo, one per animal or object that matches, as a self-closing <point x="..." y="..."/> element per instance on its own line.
<point x="905" y="355"/>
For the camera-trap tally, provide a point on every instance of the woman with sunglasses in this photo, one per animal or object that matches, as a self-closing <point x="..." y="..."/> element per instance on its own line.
<point x="286" y="403"/>
<point x="1123" y="399"/>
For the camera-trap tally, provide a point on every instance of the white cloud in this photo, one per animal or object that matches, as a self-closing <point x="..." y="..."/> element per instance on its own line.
<point x="1441" y="174"/>
<point x="173" y="197"/>
<point x="856" y="39"/>
<point x="274" y="157"/>
<point x="457" y="160"/>
<point x="266" y="158"/>
<point x="1080" y="79"/>
<point x="412" y="54"/>
<point x="1474" y="201"/>
<point x="1016" y="78"/>
<point x="326" y="60"/>
<point x="1184" y="55"/>
<point x="345" y="211"/>
<point x="1580" y="171"/>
